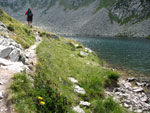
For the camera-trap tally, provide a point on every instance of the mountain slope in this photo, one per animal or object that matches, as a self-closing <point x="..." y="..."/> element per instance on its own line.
<point x="86" y="17"/>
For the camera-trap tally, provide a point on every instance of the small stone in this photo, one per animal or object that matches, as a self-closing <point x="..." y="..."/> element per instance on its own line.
<point x="138" y="111"/>
<point x="144" y="99"/>
<point x="1" y="83"/>
<point x="1" y="95"/>
<point x="84" y="103"/>
<point x="140" y="84"/>
<point x="78" y="109"/>
<point x="73" y="80"/>
<point x="79" y="89"/>
<point x="72" y="55"/>
<point x="131" y="79"/>
<point x="88" y="50"/>
<point x="138" y="89"/>
<point x="83" y="54"/>
<point x="126" y="105"/>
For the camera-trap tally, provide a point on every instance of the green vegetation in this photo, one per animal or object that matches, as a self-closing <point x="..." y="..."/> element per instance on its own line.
<point x="21" y="33"/>
<point x="148" y="37"/>
<point x="105" y="4"/>
<point x="49" y="90"/>
<point x="121" y="22"/>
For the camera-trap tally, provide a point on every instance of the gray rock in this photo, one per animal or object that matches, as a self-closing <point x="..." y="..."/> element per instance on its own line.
<point x="5" y="51"/>
<point x="14" y="55"/>
<point x="77" y="109"/>
<point x="79" y="89"/>
<point x="3" y="27"/>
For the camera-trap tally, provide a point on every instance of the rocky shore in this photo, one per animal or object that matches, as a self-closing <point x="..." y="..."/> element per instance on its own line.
<point x="134" y="98"/>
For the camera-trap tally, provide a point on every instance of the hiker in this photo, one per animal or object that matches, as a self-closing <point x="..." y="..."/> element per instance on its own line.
<point x="29" y="16"/>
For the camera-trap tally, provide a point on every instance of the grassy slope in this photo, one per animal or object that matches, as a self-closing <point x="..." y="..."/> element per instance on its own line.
<point x="51" y="82"/>
<point x="21" y="33"/>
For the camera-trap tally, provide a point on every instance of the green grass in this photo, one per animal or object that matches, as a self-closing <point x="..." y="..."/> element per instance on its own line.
<point x="55" y="65"/>
<point x="21" y="33"/>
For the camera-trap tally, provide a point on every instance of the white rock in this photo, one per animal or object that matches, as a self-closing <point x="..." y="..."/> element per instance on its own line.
<point x="138" y="89"/>
<point x="84" y="103"/>
<point x="140" y="84"/>
<point x="138" y="111"/>
<point x="5" y="51"/>
<point x="126" y="105"/>
<point x="14" y="55"/>
<point x="77" y="109"/>
<point x="83" y="54"/>
<point x="14" y="66"/>
<point x="88" y="50"/>
<point x="73" y="80"/>
<point x="5" y="62"/>
<point x="131" y="79"/>
<point x="79" y="90"/>
<point x="144" y="99"/>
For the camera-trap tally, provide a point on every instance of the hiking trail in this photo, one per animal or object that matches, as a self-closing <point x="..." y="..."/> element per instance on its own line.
<point x="6" y="75"/>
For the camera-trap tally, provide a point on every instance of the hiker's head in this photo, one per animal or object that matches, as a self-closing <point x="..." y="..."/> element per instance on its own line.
<point x="29" y="9"/>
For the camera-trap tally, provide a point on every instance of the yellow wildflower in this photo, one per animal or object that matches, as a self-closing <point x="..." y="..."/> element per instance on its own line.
<point x="42" y="102"/>
<point x="40" y="98"/>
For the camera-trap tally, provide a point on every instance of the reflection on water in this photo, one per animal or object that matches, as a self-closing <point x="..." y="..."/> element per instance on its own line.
<point x="125" y="53"/>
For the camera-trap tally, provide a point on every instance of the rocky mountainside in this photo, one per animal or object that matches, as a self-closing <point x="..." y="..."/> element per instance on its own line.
<point x="86" y="17"/>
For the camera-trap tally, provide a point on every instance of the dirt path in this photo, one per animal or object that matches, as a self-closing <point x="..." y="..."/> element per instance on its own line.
<point x="6" y="76"/>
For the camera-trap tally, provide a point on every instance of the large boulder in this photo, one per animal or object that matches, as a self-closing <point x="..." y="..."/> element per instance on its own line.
<point x="5" y="51"/>
<point x="10" y="50"/>
<point x="14" y="55"/>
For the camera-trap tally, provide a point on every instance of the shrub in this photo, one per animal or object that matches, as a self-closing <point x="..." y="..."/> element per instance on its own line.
<point x="148" y="37"/>
<point x="111" y="79"/>
<point x="10" y="27"/>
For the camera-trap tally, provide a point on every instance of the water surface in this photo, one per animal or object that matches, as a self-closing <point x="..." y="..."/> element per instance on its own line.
<point x="123" y="53"/>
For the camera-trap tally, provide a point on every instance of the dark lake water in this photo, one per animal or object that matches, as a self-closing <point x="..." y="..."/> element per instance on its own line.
<point x="124" y="53"/>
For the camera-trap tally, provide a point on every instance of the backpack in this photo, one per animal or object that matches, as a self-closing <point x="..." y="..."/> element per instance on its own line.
<point x="30" y="14"/>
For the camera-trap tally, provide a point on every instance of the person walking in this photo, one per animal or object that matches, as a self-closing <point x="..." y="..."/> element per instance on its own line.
<point x="29" y="16"/>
